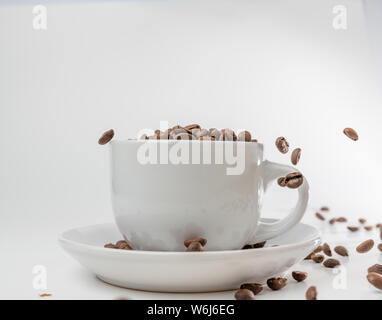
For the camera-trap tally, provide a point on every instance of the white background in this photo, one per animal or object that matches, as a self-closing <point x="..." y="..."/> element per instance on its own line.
<point x="274" y="67"/>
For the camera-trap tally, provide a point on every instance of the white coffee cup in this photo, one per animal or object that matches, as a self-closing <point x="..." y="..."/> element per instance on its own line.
<point x="158" y="206"/>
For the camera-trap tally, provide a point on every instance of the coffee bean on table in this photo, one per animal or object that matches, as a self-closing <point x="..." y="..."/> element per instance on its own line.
<point x="282" y="145"/>
<point x="353" y="229"/>
<point x="361" y="220"/>
<point x="244" y="136"/>
<point x="380" y="247"/>
<point x="299" y="275"/>
<point x="106" y="137"/>
<point x="368" y="228"/>
<point x="375" y="279"/>
<point x="296" y="155"/>
<point x="317" y="258"/>
<point x="281" y="181"/>
<point x="294" y="180"/>
<point x="277" y="283"/>
<point x="365" y="246"/>
<point x="326" y="249"/>
<point x="202" y="241"/>
<point x="311" y="293"/>
<point x="341" y="219"/>
<point x="256" y="288"/>
<point x="341" y="250"/>
<point x="377" y="268"/>
<point x="244" y="294"/>
<point x="194" y="246"/>
<point x="320" y="216"/>
<point x="331" y="263"/>
<point x="324" y="208"/>
<point x="351" y="134"/>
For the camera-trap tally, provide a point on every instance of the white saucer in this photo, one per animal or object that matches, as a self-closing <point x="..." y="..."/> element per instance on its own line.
<point x="186" y="271"/>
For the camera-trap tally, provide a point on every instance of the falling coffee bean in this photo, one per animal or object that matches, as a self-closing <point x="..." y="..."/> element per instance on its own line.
<point x="361" y="220"/>
<point x="332" y="221"/>
<point x="244" y="294"/>
<point x="365" y="246"/>
<point x="294" y="180"/>
<point x="331" y="263"/>
<point x="317" y="258"/>
<point x="342" y="251"/>
<point x="299" y="275"/>
<point x="375" y="279"/>
<point x="368" y="228"/>
<point x="194" y="246"/>
<point x="256" y="288"/>
<point x="296" y="155"/>
<point x="320" y="216"/>
<point x="353" y="229"/>
<point x="377" y="268"/>
<point x="282" y="145"/>
<point x="244" y="136"/>
<point x="277" y="283"/>
<point x="311" y="293"/>
<point x="202" y="241"/>
<point x="351" y="133"/>
<point x="106" y="137"/>
<point x="341" y="219"/>
<point x="326" y="249"/>
<point x="324" y="208"/>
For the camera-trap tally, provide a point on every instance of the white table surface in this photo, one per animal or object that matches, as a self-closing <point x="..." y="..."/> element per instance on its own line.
<point x="67" y="279"/>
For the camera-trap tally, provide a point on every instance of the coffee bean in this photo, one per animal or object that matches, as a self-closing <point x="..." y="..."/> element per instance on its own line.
<point x="375" y="279"/>
<point x="353" y="229"/>
<point x="125" y="246"/>
<point x="351" y="133"/>
<point x="244" y="136"/>
<point x="311" y="293"/>
<point x="377" y="268"/>
<point x="215" y="133"/>
<point x="342" y="251"/>
<point x="247" y="246"/>
<point x="331" y="263"/>
<point x="207" y="138"/>
<point x="256" y="288"/>
<point x="106" y="137"/>
<point x="192" y="126"/>
<point x="378" y="225"/>
<point x="309" y="256"/>
<point x="144" y="137"/>
<point x="277" y="283"/>
<point x="110" y="245"/>
<point x="341" y="219"/>
<point x="259" y="245"/>
<point x="281" y="181"/>
<point x="202" y="241"/>
<point x="254" y="140"/>
<point x="282" y="145"/>
<point x="244" y="294"/>
<point x="324" y="208"/>
<point x="368" y="228"/>
<point x="228" y="135"/>
<point x="380" y="247"/>
<point x="194" y="246"/>
<point x="294" y="180"/>
<point x="365" y="246"/>
<point x="326" y="249"/>
<point x="317" y="258"/>
<point x="320" y="216"/>
<point x="332" y="221"/>
<point x="120" y="242"/>
<point x="296" y="155"/>
<point x="299" y="275"/>
<point x="361" y="220"/>
<point x="183" y="136"/>
<point x="318" y="249"/>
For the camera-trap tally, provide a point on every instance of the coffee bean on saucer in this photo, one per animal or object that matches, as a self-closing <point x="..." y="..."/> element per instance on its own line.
<point x="125" y="246"/>
<point x="194" y="246"/>
<point x="309" y="256"/>
<point x="244" y="294"/>
<point x="318" y="249"/>
<point x="110" y="245"/>
<point x="324" y="208"/>
<point x="317" y="258"/>
<point x="259" y="245"/>
<point x="227" y="135"/>
<point x="202" y="241"/>
<point x="377" y="268"/>
<point x="247" y="246"/>
<point x="341" y="250"/>
<point x="353" y="229"/>
<point x="311" y="293"/>
<point x="294" y="180"/>
<point x="351" y="133"/>
<point x="295" y="157"/>
<point x="320" y="216"/>
<point x="277" y="283"/>
<point x="361" y="220"/>
<point x="326" y="249"/>
<point x="332" y="221"/>
<point x="375" y="279"/>
<point x="341" y="219"/>
<point x="244" y="136"/>
<point x="365" y="246"/>
<point x="256" y="288"/>
<point x="282" y="145"/>
<point x="331" y="263"/>
<point x="281" y="181"/>
<point x="106" y="137"/>
<point x="368" y="228"/>
<point x="299" y="275"/>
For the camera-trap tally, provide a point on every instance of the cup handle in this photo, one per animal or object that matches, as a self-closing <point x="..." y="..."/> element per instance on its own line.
<point x="271" y="172"/>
